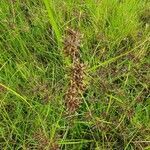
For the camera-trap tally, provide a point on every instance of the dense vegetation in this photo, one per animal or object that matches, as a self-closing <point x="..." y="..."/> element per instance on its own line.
<point x="112" y="43"/>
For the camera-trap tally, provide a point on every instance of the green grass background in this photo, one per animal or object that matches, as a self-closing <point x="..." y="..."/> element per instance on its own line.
<point x="115" y="112"/>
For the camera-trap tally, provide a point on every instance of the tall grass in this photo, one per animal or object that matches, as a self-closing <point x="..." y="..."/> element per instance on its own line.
<point x="115" y="108"/>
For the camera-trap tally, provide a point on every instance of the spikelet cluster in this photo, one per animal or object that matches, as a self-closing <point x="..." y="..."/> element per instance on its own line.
<point x="76" y="85"/>
<point x="72" y="44"/>
<point x="43" y="142"/>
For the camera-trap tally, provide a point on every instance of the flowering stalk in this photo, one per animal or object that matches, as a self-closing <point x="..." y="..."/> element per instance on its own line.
<point x="76" y="85"/>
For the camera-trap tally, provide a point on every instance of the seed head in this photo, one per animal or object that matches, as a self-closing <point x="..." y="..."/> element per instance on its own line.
<point x="76" y="85"/>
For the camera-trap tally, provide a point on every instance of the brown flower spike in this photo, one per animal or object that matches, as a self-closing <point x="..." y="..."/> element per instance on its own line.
<point x="44" y="143"/>
<point x="76" y="85"/>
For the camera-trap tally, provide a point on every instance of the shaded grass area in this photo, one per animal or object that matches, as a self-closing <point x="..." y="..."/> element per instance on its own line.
<point x="115" y="108"/>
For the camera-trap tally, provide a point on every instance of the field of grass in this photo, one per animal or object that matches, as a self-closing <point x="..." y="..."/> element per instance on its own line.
<point x="38" y="109"/>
